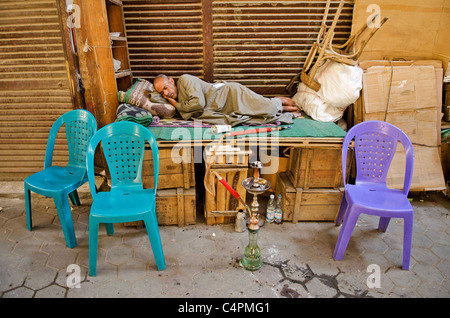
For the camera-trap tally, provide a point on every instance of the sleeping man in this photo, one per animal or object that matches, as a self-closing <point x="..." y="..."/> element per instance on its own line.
<point x="222" y="103"/>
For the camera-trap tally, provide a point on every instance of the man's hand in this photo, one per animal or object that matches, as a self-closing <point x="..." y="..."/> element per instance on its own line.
<point x="171" y="100"/>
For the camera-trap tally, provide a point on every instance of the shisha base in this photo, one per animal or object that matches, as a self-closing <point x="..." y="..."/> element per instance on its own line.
<point x="252" y="260"/>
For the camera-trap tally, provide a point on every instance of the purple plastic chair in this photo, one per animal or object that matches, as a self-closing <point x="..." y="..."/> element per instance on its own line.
<point x="375" y="146"/>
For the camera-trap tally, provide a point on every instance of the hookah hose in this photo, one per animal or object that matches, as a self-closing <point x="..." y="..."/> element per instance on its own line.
<point x="213" y="156"/>
<point x="255" y="131"/>
<point x="233" y="192"/>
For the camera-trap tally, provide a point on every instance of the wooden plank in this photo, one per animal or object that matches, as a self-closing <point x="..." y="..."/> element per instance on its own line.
<point x="180" y="207"/>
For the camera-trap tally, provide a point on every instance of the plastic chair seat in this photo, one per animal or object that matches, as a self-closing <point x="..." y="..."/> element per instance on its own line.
<point x="123" y="206"/>
<point x="377" y="200"/>
<point x="56" y="179"/>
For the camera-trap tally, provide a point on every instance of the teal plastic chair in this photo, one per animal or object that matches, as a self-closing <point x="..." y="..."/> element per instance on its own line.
<point x="123" y="146"/>
<point x="58" y="182"/>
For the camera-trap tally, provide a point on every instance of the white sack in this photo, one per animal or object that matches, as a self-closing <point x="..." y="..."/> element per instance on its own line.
<point x="340" y="87"/>
<point x="311" y="103"/>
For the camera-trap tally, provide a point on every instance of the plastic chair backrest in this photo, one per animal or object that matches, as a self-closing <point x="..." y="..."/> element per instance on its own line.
<point x="80" y="127"/>
<point x="375" y="146"/>
<point x="123" y="145"/>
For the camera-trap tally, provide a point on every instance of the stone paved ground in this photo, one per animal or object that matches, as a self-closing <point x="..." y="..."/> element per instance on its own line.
<point x="203" y="261"/>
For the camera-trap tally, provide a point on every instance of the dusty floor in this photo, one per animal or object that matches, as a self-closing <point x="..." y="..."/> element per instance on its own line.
<point x="203" y="261"/>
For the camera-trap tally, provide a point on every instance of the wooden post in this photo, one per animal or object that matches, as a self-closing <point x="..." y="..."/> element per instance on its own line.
<point x="71" y="62"/>
<point x="208" y="57"/>
<point x="96" y="62"/>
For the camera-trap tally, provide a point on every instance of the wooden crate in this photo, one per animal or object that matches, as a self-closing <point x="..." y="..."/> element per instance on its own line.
<point x="176" y="206"/>
<point x="233" y="167"/>
<point x="307" y="205"/>
<point x="172" y="174"/>
<point x="173" y="207"/>
<point x="319" y="167"/>
<point x="223" y="207"/>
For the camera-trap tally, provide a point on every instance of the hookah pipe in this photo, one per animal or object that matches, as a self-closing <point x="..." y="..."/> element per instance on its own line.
<point x="213" y="155"/>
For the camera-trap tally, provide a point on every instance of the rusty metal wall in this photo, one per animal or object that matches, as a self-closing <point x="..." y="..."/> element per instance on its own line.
<point x="34" y="86"/>
<point x="260" y="44"/>
<point x="164" y="37"/>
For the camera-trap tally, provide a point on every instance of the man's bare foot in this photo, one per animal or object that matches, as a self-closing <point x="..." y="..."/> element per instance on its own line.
<point x="289" y="105"/>
<point x="286" y="101"/>
<point x="292" y="109"/>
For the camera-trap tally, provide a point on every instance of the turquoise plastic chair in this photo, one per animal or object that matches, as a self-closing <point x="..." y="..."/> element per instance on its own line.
<point x="58" y="182"/>
<point x="123" y="146"/>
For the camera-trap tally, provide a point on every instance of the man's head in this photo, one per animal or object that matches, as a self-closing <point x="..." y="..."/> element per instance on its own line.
<point x="165" y="86"/>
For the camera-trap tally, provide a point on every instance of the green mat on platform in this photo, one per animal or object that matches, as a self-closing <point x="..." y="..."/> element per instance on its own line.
<point x="302" y="127"/>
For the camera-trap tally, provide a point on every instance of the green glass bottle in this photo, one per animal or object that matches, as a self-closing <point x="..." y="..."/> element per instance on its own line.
<point x="252" y="254"/>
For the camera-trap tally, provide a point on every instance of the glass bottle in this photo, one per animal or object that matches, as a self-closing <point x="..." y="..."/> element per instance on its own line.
<point x="278" y="215"/>
<point x="240" y="223"/>
<point x="270" y="209"/>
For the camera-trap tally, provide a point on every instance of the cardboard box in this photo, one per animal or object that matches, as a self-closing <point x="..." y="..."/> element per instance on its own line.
<point x="427" y="173"/>
<point x="406" y="87"/>
<point x="407" y="94"/>
<point x="420" y="125"/>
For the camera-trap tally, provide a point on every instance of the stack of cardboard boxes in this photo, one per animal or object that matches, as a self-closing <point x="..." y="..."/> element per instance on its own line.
<point x="407" y="94"/>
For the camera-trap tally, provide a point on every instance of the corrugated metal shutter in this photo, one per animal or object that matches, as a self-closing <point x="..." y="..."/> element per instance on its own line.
<point x="34" y="87"/>
<point x="164" y="37"/>
<point x="261" y="44"/>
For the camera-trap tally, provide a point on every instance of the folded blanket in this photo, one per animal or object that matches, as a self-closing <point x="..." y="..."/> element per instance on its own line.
<point x="127" y="112"/>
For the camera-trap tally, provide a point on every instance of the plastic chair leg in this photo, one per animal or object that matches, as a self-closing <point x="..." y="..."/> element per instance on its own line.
<point x="109" y="229"/>
<point x="407" y="241"/>
<point x="342" y="210"/>
<point x="383" y="224"/>
<point x="65" y="217"/>
<point x="28" y="207"/>
<point x="74" y="198"/>
<point x="93" y="246"/>
<point x="155" y="240"/>
<point x="344" y="235"/>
